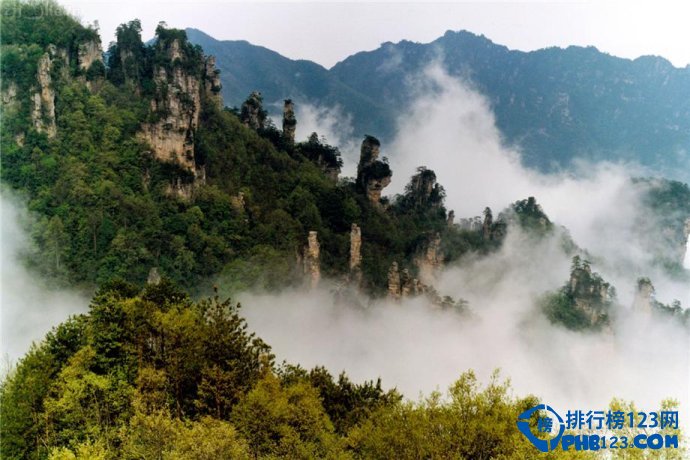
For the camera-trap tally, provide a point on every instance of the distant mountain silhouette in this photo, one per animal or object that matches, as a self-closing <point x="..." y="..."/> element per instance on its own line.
<point x="556" y="104"/>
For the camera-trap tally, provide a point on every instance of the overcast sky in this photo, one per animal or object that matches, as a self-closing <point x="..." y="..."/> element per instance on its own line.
<point x="328" y="32"/>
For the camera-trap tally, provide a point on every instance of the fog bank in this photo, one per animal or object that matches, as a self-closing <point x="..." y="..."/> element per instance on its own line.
<point x="29" y="308"/>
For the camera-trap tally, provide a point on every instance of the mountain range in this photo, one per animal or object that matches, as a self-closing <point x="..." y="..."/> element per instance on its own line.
<point x="554" y="104"/>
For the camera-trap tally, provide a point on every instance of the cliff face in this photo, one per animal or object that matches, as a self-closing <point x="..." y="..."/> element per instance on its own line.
<point x="394" y="288"/>
<point x="183" y="82"/>
<point x="88" y="53"/>
<point x="252" y="112"/>
<point x="644" y="296"/>
<point x="429" y="261"/>
<point x="212" y="84"/>
<point x="42" y="104"/>
<point x="43" y="99"/>
<point x="590" y="293"/>
<point x="423" y="192"/>
<point x="356" y="254"/>
<point x="312" y="260"/>
<point x="177" y="103"/>
<point x="373" y="175"/>
<point x="289" y="122"/>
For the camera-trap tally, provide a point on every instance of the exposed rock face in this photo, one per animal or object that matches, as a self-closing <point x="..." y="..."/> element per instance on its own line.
<point x="430" y="261"/>
<point x="252" y="113"/>
<point x="88" y="53"/>
<point x="43" y="107"/>
<point x="487" y="225"/>
<point x="401" y="285"/>
<point x="356" y="254"/>
<point x="451" y="218"/>
<point x="394" y="282"/>
<point x="312" y="261"/>
<point x="591" y="294"/>
<point x="237" y="202"/>
<point x="9" y="97"/>
<point x="212" y="85"/>
<point x="154" y="277"/>
<point x="177" y="106"/>
<point x="644" y="296"/>
<point x="181" y="188"/>
<point x="289" y="122"/>
<point x="373" y="175"/>
<point x="423" y="192"/>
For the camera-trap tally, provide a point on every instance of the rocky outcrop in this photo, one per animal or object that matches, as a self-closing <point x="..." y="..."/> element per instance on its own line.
<point x="177" y="105"/>
<point x="423" y="192"/>
<point x="237" y="202"/>
<point x="9" y="97"/>
<point x="312" y="260"/>
<point x="394" y="289"/>
<point x="252" y="113"/>
<point x="289" y="122"/>
<point x="154" y="277"/>
<point x="181" y="79"/>
<point x="402" y="285"/>
<point x="487" y="224"/>
<point x="644" y="296"/>
<point x="88" y="53"/>
<point x="450" y="220"/>
<point x="590" y="293"/>
<point x="373" y="175"/>
<point x="429" y="261"/>
<point x="43" y="99"/>
<point x="212" y="84"/>
<point x="356" y="254"/>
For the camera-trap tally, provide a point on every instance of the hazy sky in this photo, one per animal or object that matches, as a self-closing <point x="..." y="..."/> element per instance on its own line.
<point x="327" y="32"/>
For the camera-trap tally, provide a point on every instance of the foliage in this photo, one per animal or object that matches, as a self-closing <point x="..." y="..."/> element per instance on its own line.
<point x="189" y="381"/>
<point x="582" y="303"/>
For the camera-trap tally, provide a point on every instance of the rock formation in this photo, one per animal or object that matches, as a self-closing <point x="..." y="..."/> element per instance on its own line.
<point x="451" y="218"/>
<point x="402" y="285"/>
<point x="394" y="282"/>
<point x="212" y="85"/>
<point x="312" y="261"/>
<point x="430" y="259"/>
<point x="323" y="155"/>
<point x="10" y="103"/>
<point x="252" y="113"/>
<point x="487" y="225"/>
<point x="423" y="192"/>
<point x="590" y="293"/>
<point x="154" y="277"/>
<point x="373" y="175"/>
<point x="181" y="79"/>
<point x="43" y="100"/>
<point x="356" y="254"/>
<point x="88" y="53"/>
<point x="237" y="202"/>
<point x="177" y="105"/>
<point x="644" y="296"/>
<point x="289" y="122"/>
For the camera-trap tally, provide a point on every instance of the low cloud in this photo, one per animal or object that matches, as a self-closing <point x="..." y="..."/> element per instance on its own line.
<point x="29" y="307"/>
<point x="449" y="127"/>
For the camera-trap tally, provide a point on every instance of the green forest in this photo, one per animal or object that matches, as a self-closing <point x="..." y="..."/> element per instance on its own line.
<point x="163" y="366"/>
